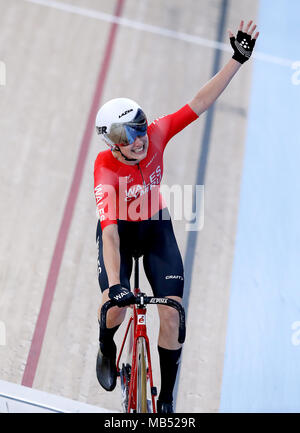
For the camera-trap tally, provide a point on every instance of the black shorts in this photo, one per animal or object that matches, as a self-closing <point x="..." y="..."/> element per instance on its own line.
<point x="154" y="239"/>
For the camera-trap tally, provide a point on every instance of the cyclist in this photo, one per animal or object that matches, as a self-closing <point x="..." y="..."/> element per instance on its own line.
<point x="133" y="218"/>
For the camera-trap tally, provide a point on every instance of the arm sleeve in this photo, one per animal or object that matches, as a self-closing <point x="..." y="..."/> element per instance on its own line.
<point x="105" y="190"/>
<point x="168" y="126"/>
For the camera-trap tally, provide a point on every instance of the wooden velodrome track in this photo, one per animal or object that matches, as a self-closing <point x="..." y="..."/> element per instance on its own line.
<point x="62" y="63"/>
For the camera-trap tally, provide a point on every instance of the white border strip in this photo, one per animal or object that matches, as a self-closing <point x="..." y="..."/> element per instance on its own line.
<point x="18" y="398"/>
<point x="31" y="403"/>
<point x="197" y="40"/>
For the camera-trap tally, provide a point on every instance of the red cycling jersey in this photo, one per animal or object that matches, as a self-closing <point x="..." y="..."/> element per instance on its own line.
<point x="131" y="192"/>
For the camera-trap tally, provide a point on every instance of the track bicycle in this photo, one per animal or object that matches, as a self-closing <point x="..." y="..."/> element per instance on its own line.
<point x="138" y="390"/>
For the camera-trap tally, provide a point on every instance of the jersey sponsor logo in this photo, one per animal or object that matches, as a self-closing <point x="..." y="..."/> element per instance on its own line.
<point x="99" y="193"/>
<point x="174" y="277"/>
<point x="126" y="179"/>
<point x="136" y="190"/>
<point x="105" y="196"/>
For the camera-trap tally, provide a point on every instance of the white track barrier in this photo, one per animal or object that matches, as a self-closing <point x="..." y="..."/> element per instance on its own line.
<point x="20" y="399"/>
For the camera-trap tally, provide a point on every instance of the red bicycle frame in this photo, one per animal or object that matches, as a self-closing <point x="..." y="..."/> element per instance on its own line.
<point x="138" y="321"/>
<point x="138" y="331"/>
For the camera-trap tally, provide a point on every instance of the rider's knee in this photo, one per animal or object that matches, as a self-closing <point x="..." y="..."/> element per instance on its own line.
<point x="168" y="318"/>
<point x="115" y="316"/>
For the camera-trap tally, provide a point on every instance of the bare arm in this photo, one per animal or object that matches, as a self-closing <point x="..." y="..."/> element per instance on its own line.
<point x="111" y="253"/>
<point x="208" y="94"/>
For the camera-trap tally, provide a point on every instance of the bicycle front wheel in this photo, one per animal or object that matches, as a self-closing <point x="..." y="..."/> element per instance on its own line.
<point x="142" y="404"/>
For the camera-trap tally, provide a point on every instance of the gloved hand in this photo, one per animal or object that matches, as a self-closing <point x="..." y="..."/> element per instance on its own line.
<point x="121" y="296"/>
<point x="243" y="44"/>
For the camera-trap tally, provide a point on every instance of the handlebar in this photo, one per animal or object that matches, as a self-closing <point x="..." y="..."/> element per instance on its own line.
<point x="141" y="300"/>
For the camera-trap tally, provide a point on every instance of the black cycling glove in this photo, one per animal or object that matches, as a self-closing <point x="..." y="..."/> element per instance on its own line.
<point x="121" y="296"/>
<point x="243" y="46"/>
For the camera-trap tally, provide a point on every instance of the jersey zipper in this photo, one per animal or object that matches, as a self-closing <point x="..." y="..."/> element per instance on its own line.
<point x="140" y="170"/>
<point x="145" y="188"/>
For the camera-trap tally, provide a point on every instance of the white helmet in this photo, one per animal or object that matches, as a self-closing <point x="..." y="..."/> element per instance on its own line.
<point x="120" y="121"/>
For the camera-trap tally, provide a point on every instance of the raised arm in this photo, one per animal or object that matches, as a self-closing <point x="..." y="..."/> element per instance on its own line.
<point x="243" y="46"/>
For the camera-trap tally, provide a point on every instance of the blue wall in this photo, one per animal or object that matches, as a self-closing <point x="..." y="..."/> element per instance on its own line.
<point x="262" y="359"/>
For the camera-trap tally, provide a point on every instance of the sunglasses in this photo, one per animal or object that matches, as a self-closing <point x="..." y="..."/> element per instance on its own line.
<point x="124" y="134"/>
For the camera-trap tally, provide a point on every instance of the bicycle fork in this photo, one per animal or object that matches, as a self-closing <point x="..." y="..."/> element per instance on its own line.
<point x="138" y="322"/>
<point x="140" y="326"/>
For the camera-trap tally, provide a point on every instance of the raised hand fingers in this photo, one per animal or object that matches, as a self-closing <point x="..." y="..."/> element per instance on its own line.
<point x="251" y="29"/>
<point x="248" y="27"/>
<point x="243" y="43"/>
<point x="246" y="32"/>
